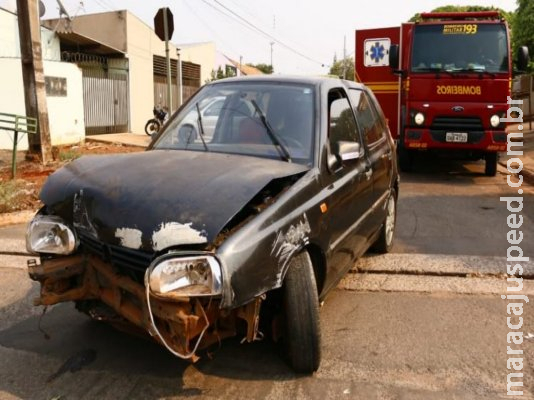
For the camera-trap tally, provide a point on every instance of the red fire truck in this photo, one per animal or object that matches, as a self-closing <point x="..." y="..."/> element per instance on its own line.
<point x="442" y="82"/>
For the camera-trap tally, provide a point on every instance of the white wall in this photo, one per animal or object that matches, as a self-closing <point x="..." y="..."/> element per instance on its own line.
<point x="65" y="114"/>
<point x="201" y="53"/>
<point x="10" y="44"/>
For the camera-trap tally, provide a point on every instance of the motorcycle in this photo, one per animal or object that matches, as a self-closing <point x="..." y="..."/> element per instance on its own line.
<point x="153" y="125"/>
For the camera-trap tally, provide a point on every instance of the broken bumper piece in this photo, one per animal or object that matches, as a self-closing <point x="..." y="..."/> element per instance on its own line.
<point x="182" y="324"/>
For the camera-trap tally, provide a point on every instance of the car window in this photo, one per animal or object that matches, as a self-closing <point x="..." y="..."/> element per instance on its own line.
<point x="232" y="121"/>
<point x="214" y="109"/>
<point x="367" y="117"/>
<point x="342" y="125"/>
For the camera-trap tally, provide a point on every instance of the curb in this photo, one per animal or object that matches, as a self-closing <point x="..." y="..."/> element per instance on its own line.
<point x="15" y="218"/>
<point x="528" y="175"/>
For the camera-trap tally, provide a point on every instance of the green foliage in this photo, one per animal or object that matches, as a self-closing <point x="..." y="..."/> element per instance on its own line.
<point x="450" y="8"/>
<point x="220" y="74"/>
<point x="68" y="155"/>
<point x="265" y="68"/>
<point x="523" y="28"/>
<point x="337" y="68"/>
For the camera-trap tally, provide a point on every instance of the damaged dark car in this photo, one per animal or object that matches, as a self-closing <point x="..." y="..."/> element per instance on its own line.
<point x="245" y="211"/>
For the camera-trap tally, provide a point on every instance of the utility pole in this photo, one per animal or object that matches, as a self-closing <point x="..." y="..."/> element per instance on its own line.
<point x="33" y="77"/>
<point x="345" y="57"/>
<point x="272" y="68"/>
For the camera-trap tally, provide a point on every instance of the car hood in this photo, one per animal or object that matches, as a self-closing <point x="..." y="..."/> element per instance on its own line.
<point x="160" y="198"/>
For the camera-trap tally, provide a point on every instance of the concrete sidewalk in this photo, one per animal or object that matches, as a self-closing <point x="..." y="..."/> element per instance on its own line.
<point x="128" y="139"/>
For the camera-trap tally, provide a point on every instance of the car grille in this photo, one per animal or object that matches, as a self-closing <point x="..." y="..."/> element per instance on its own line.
<point x="471" y="125"/>
<point x="457" y="124"/>
<point x="128" y="262"/>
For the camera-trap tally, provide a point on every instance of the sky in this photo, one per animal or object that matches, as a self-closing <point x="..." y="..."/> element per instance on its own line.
<point x="303" y="35"/>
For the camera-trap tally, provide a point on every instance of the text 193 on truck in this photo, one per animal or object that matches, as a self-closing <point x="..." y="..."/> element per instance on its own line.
<point x="442" y="82"/>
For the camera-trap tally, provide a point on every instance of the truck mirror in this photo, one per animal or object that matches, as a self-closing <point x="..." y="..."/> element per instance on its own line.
<point x="394" y="56"/>
<point x="522" y="58"/>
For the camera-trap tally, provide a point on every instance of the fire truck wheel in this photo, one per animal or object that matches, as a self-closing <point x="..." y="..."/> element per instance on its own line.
<point x="491" y="164"/>
<point x="405" y="159"/>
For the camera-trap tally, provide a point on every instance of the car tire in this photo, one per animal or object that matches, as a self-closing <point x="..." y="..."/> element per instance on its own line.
<point x="302" y="333"/>
<point x="384" y="243"/>
<point x="491" y="164"/>
<point x="152" y="127"/>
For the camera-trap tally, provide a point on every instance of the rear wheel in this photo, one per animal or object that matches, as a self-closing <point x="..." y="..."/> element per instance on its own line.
<point x="152" y="127"/>
<point x="491" y="164"/>
<point x="384" y="243"/>
<point x="302" y="334"/>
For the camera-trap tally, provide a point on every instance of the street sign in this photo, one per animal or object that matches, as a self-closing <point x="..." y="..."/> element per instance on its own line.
<point x="159" y="23"/>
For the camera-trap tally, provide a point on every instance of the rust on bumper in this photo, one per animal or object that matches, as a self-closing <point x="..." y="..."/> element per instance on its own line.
<point x="181" y="322"/>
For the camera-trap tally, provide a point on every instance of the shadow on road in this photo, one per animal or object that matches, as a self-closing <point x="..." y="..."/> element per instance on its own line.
<point x="117" y="353"/>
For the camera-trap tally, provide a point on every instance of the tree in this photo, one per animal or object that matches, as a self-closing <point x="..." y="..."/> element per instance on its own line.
<point x="337" y="68"/>
<point x="523" y="28"/>
<point x="265" y="68"/>
<point x="450" y="8"/>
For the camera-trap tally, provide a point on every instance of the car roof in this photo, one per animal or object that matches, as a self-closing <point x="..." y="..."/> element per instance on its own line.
<point x="310" y="80"/>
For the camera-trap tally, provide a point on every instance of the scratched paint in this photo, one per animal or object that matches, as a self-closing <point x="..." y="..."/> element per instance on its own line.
<point x="287" y="243"/>
<point x="174" y="234"/>
<point x="129" y="237"/>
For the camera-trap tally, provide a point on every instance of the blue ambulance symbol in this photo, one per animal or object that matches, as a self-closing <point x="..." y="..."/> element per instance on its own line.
<point x="377" y="52"/>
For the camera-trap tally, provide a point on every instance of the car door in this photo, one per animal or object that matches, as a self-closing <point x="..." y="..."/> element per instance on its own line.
<point x="375" y="137"/>
<point x="348" y="191"/>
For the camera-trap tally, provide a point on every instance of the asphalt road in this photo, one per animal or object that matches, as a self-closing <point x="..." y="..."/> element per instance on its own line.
<point x="418" y="340"/>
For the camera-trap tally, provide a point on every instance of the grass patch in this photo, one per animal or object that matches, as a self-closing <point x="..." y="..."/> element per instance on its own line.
<point x="15" y="195"/>
<point x="68" y="155"/>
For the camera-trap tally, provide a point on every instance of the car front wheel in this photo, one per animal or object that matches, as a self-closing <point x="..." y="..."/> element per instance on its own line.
<point x="384" y="243"/>
<point x="302" y="335"/>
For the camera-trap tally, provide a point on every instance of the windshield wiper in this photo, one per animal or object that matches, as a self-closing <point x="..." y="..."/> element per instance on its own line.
<point x="475" y="70"/>
<point x="437" y="70"/>
<point x="201" y="127"/>
<point x="284" y="154"/>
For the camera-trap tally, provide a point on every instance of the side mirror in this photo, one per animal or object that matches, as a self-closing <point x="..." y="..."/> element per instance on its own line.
<point x="342" y="152"/>
<point x="394" y="56"/>
<point x="522" y="58"/>
<point x="347" y="151"/>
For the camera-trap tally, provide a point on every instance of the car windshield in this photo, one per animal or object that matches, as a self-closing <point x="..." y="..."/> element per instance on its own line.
<point x="274" y="120"/>
<point x="460" y="47"/>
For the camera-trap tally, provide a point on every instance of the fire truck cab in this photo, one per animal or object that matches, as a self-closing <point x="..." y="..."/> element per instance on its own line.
<point x="442" y="82"/>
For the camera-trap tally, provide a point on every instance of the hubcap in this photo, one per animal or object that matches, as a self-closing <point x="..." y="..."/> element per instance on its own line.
<point x="390" y="220"/>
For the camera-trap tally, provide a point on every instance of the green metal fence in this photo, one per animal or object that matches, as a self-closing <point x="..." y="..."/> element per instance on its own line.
<point x="17" y="124"/>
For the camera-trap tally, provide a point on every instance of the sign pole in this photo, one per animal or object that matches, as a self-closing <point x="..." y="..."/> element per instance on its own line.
<point x="169" y="82"/>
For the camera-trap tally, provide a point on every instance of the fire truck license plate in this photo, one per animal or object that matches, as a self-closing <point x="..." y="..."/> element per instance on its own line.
<point x="456" y="137"/>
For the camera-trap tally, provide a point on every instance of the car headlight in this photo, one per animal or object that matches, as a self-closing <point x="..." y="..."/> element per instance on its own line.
<point x="495" y="120"/>
<point x="186" y="276"/>
<point x="419" y="118"/>
<point x="50" y="234"/>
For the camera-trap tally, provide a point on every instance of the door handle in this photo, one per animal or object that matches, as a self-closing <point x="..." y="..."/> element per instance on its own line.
<point x="387" y="155"/>
<point x="368" y="173"/>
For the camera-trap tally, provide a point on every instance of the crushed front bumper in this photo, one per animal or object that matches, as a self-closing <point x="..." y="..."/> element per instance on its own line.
<point x="183" y="325"/>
